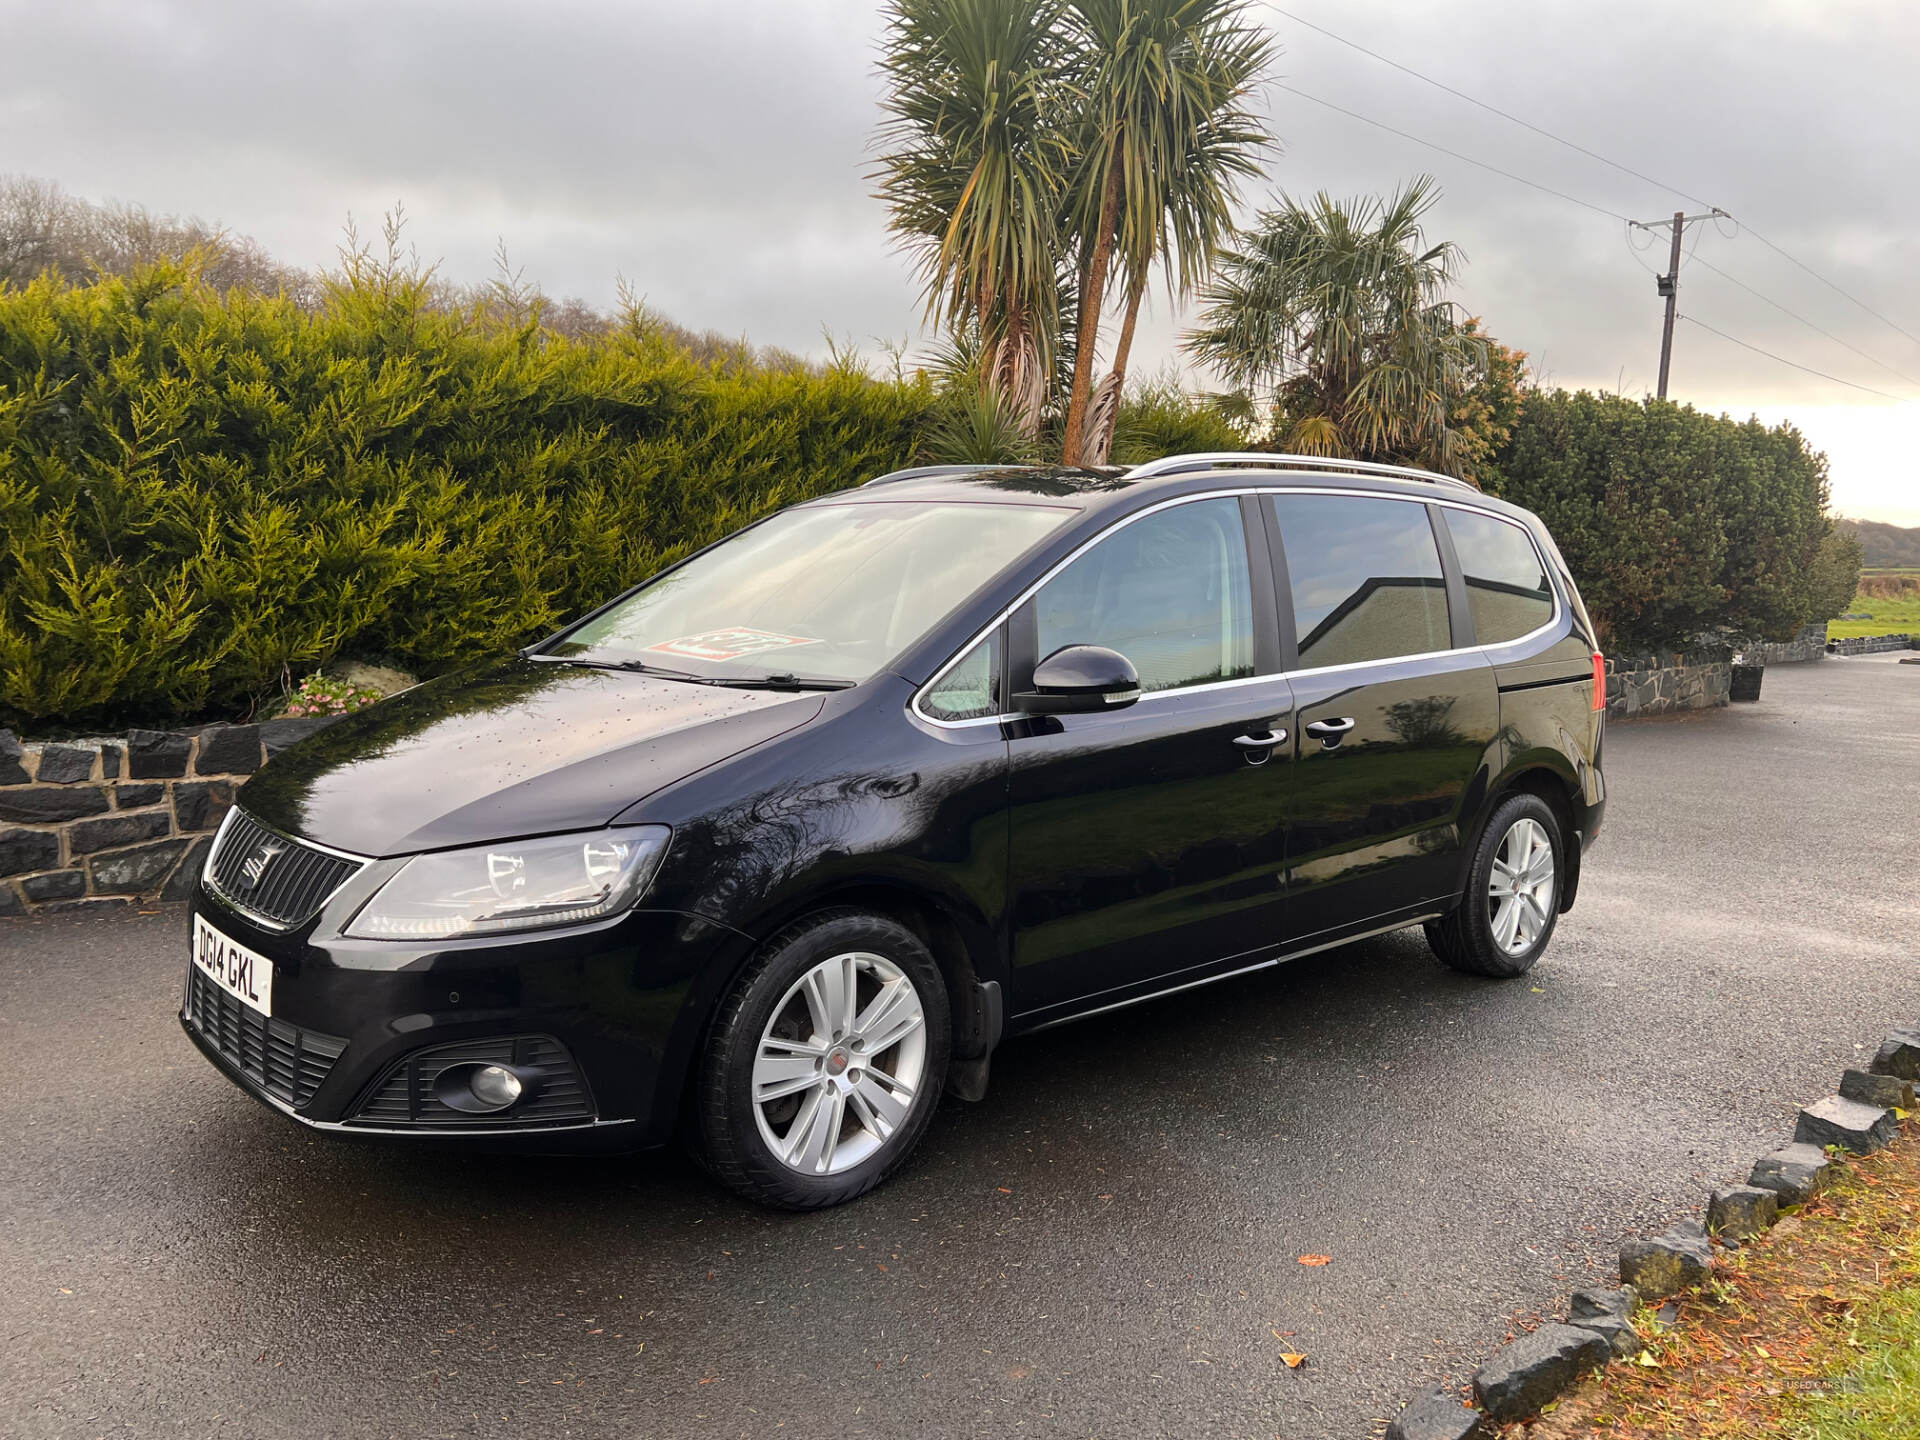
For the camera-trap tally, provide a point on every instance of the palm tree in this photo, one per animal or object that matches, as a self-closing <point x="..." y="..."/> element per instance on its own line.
<point x="1338" y="311"/>
<point x="1166" y="136"/>
<point x="975" y="170"/>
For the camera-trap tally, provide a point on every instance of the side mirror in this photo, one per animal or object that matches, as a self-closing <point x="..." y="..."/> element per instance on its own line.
<point x="1080" y="680"/>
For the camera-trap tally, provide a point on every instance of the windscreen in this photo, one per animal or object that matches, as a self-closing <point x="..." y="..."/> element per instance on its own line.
<point x="828" y="592"/>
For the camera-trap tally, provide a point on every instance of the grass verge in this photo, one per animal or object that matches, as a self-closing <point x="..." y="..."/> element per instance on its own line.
<point x="1810" y="1333"/>
<point x="1891" y="600"/>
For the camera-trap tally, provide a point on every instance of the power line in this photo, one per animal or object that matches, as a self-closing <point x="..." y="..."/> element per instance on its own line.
<point x="1794" y="363"/>
<point x="1804" y="321"/>
<point x="1490" y="109"/>
<point x="1431" y="145"/>
<point x="1611" y="214"/>
<point x="1590" y="154"/>
<point x="1830" y="285"/>
<point x="1629" y="223"/>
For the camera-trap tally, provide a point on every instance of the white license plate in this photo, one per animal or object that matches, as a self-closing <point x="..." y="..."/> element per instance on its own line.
<point x="242" y="973"/>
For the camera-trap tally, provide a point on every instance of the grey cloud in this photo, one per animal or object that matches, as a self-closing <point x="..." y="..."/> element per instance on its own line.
<point x="716" y="153"/>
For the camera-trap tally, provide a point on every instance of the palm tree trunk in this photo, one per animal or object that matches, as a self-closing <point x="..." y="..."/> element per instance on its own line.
<point x="1103" y="410"/>
<point x="1136" y="292"/>
<point x="1092" y="292"/>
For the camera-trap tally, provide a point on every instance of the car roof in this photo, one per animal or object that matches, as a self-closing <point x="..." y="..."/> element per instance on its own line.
<point x="1116" y="490"/>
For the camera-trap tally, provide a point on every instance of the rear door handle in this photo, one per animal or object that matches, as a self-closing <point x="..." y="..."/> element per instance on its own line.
<point x="1330" y="732"/>
<point x="1261" y="742"/>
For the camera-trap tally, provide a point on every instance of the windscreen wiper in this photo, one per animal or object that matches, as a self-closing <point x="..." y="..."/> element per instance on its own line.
<point x="779" y="682"/>
<point x="638" y="667"/>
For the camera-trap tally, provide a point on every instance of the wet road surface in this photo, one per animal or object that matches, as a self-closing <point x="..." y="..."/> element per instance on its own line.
<point x="1107" y="1246"/>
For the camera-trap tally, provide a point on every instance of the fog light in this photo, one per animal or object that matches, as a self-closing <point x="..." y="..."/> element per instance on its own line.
<point x="475" y="1089"/>
<point x="495" y="1086"/>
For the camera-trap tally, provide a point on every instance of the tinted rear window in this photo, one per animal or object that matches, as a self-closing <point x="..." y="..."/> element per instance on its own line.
<point x="1507" y="590"/>
<point x="1366" y="578"/>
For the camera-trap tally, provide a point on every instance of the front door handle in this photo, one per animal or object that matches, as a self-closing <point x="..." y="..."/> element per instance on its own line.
<point x="1330" y="732"/>
<point x="1261" y="742"/>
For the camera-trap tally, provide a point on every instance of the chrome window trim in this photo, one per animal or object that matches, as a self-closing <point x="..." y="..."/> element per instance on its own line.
<point x="360" y="862"/>
<point x="1559" y="608"/>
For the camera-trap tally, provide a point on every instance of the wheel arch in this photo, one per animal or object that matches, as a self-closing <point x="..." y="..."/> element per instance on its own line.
<point x="963" y="947"/>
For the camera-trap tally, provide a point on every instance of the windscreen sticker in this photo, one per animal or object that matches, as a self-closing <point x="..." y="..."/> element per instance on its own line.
<point x="730" y="644"/>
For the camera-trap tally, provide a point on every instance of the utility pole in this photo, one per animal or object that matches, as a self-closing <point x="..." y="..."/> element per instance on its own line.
<point x="1669" y="283"/>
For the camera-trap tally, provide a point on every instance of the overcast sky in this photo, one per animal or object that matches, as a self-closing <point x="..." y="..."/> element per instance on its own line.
<point x="715" y="153"/>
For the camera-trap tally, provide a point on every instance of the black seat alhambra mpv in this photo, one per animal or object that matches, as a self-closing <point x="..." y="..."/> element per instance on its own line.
<point x="775" y="848"/>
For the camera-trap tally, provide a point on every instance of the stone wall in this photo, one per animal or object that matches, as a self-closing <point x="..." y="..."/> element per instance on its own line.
<point x="87" y="824"/>
<point x="1659" y="684"/>
<point x="1873" y="644"/>
<point x="1809" y="644"/>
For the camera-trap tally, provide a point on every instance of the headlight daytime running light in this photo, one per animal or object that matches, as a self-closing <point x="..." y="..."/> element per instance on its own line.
<point x="515" y="885"/>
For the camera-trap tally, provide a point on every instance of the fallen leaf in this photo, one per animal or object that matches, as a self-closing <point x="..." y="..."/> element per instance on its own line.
<point x="1005" y="1191"/>
<point x="1294" y="1362"/>
<point x="1316" y="1259"/>
<point x="1646" y="1359"/>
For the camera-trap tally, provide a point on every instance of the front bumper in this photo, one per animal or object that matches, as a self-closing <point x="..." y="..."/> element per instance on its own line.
<point x="593" y="1136"/>
<point x="620" y="1003"/>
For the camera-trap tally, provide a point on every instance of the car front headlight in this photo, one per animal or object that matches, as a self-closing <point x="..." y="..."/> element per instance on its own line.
<point x="515" y="885"/>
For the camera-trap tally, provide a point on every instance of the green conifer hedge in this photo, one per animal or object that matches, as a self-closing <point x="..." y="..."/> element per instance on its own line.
<point x="1674" y="522"/>
<point x="201" y="493"/>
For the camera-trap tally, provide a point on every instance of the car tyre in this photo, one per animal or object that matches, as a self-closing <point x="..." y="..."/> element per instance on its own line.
<point x="1512" y="900"/>
<point x="797" y="1103"/>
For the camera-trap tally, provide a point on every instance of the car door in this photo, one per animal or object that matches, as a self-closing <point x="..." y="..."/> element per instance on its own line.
<point x="1395" y="713"/>
<point x="1147" y="843"/>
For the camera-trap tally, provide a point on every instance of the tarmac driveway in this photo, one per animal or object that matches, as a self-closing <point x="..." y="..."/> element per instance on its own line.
<point x="1107" y="1246"/>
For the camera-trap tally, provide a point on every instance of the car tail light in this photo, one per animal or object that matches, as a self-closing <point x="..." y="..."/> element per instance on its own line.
<point x="1599" y="681"/>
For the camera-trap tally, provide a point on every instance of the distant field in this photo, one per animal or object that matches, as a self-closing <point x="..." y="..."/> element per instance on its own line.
<point x="1891" y="597"/>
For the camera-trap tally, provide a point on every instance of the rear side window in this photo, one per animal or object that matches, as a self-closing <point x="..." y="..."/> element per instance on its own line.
<point x="1366" y="578"/>
<point x="1170" y="592"/>
<point x="1507" y="589"/>
<point x="971" y="689"/>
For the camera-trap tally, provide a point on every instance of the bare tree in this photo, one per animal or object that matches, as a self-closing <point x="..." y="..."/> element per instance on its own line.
<point x="42" y="228"/>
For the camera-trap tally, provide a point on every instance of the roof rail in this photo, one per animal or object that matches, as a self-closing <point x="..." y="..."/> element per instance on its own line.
<point x="923" y="472"/>
<point x="1214" y="459"/>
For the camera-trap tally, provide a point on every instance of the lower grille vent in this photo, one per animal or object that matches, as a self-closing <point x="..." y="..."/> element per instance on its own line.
<point x="287" y="1062"/>
<point x="404" y="1099"/>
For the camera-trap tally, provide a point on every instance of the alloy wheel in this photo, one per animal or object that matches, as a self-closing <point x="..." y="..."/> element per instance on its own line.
<point x="839" y="1063"/>
<point x="1520" y="894"/>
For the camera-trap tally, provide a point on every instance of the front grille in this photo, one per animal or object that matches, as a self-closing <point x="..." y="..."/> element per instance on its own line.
<point x="289" y="889"/>
<point x="404" y="1097"/>
<point x="287" y="1062"/>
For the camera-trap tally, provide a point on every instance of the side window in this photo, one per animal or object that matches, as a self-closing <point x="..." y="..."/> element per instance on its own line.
<point x="1170" y="592"/>
<point x="1507" y="589"/>
<point x="1366" y="578"/>
<point x="971" y="689"/>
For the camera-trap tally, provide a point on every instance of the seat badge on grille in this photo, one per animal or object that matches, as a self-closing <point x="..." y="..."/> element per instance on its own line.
<point x="255" y="865"/>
